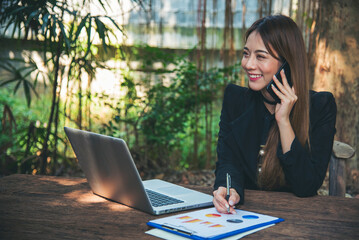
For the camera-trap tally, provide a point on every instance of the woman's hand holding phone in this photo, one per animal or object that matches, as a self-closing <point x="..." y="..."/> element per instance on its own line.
<point x="287" y="97"/>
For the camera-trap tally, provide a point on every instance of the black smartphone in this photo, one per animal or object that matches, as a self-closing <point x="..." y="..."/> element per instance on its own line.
<point x="286" y="68"/>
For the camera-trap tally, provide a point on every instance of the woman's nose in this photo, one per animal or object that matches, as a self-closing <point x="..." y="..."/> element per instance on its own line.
<point x="250" y="63"/>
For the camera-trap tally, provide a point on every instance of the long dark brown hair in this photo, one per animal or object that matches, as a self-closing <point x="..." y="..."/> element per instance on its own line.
<point x="281" y="35"/>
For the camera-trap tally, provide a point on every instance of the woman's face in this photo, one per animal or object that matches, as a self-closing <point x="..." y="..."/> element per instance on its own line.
<point x="259" y="65"/>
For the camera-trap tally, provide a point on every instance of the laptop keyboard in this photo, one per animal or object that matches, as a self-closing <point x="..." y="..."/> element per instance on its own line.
<point x="158" y="199"/>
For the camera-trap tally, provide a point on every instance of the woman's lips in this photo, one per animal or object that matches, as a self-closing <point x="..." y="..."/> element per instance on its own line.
<point x="254" y="77"/>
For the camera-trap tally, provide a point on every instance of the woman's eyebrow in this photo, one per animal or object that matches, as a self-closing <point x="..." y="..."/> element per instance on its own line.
<point x="261" y="51"/>
<point x="256" y="51"/>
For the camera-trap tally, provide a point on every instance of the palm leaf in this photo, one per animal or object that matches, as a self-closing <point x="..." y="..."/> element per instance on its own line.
<point x="17" y="86"/>
<point x="14" y="10"/>
<point x="114" y="23"/>
<point x="67" y="41"/>
<point x="101" y="30"/>
<point x="89" y="36"/>
<point x="8" y="81"/>
<point x="27" y="93"/>
<point x="7" y="66"/>
<point x="53" y="27"/>
<point x="31" y="16"/>
<point x="103" y="5"/>
<point x="36" y="78"/>
<point x="45" y="20"/>
<point x="32" y="88"/>
<point x="9" y="23"/>
<point x="80" y="27"/>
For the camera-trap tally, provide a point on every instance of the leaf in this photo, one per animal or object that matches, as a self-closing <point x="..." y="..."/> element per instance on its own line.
<point x="17" y="86"/>
<point x="17" y="26"/>
<point x="103" y="6"/>
<point x="101" y="30"/>
<point x="8" y="81"/>
<point x="82" y="24"/>
<point x="7" y="67"/>
<point x="45" y="20"/>
<point x="30" y="17"/>
<point x="67" y="41"/>
<point x="89" y="36"/>
<point x="9" y="23"/>
<point x="27" y="93"/>
<point x="36" y="78"/>
<point x="116" y="25"/>
<point x="16" y="10"/>
<point x="53" y="28"/>
<point x="32" y="88"/>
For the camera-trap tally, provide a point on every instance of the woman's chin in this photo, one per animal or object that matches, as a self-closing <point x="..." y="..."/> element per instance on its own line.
<point x="255" y="87"/>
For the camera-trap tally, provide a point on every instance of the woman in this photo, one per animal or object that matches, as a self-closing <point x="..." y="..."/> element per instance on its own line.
<point x="268" y="145"/>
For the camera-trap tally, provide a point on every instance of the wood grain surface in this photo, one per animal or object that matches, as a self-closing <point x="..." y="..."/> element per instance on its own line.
<point x="45" y="207"/>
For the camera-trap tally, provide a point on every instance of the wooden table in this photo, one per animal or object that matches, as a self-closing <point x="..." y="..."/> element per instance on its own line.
<point x="44" y="207"/>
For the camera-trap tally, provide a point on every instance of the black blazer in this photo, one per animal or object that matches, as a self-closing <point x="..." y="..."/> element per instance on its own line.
<point x="241" y="129"/>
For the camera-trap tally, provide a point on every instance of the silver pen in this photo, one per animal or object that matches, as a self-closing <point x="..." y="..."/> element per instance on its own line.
<point x="228" y="178"/>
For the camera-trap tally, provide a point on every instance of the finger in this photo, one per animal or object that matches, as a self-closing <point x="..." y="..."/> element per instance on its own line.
<point x="277" y="92"/>
<point x="290" y="90"/>
<point x="293" y="89"/>
<point x="284" y="79"/>
<point x="280" y="86"/>
<point x="287" y="91"/>
<point x="234" y="198"/>
<point x="219" y="207"/>
<point x="219" y="200"/>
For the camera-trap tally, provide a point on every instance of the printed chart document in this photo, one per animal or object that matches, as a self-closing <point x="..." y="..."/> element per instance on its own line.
<point x="209" y="224"/>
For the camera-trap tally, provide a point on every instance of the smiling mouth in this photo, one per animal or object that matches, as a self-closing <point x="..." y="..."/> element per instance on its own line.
<point x="254" y="77"/>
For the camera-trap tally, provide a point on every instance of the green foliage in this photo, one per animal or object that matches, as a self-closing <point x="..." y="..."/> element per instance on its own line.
<point x="168" y="107"/>
<point x="18" y="123"/>
<point x="58" y="27"/>
<point x="164" y="112"/>
<point x="157" y="117"/>
<point x="17" y="72"/>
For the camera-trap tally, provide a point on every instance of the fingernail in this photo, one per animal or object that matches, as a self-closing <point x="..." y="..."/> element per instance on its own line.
<point x="283" y="70"/>
<point x="231" y="203"/>
<point x="227" y="206"/>
<point x="233" y="212"/>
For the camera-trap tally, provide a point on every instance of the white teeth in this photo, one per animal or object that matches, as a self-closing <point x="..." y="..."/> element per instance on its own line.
<point x="254" y="76"/>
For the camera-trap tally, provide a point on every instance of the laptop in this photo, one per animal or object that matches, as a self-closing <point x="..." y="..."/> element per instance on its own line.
<point x="112" y="174"/>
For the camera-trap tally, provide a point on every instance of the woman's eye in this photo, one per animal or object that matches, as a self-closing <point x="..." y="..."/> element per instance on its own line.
<point x="260" y="57"/>
<point x="245" y="54"/>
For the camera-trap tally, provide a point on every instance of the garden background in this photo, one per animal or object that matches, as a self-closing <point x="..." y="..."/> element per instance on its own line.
<point x="151" y="72"/>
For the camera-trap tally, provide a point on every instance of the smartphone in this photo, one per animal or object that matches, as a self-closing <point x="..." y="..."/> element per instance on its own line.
<point x="286" y="68"/>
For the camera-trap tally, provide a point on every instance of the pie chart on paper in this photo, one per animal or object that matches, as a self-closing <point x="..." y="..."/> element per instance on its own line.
<point x="213" y="215"/>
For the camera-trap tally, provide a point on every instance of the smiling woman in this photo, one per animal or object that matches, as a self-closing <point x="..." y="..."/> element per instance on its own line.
<point x="259" y="65"/>
<point x="265" y="144"/>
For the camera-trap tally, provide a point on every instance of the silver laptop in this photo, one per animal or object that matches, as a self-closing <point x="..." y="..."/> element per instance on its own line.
<point x="112" y="174"/>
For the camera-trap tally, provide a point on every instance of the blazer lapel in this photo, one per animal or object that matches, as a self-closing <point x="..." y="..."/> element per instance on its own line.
<point x="245" y="132"/>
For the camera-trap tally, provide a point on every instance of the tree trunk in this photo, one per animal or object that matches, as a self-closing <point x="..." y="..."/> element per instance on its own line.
<point x="228" y="36"/>
<point x="45" y="148"/>
<point x="336" y="65"/>
<point x="201" y="67"/>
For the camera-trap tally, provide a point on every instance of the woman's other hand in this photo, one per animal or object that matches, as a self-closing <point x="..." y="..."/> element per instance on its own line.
<point x="220" y="202"/>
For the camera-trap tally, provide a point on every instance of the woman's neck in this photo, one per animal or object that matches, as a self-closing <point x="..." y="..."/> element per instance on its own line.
<point x="268" y="101"/>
